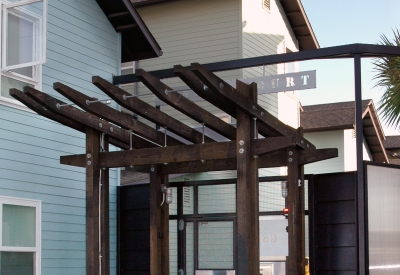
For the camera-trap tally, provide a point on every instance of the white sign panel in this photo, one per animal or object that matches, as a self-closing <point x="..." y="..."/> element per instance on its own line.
<point x="266" y="84"/>
<point x="273" y="238"/>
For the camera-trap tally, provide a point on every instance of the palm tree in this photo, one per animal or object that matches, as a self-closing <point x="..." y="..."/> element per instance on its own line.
<point x="388" y="76"/>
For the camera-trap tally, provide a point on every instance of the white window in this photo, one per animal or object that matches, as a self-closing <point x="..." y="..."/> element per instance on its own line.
<point x="23" y="44"/>
<point x="20" y="236"/>
<point x="129" y="68"/>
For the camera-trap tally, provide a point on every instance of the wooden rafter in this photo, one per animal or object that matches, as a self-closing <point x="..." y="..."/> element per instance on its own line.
<point x="248" y="106"/>
<point x="216" y="99"/>
<point x="105" y="112"/>
<point x="184" y="105"/>
<point x="43" y="111"/>
<point x="85" y="118"/>
<point x="147" y="111"/>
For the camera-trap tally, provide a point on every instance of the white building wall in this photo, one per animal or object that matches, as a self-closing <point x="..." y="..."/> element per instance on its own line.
<point x="216" y="30"/>
<point x="267" y="32"/>
<point x="350" y="159"/>
<point x="328" y="139"/>
<point x="190" y="31"/>
<point x="350" y="156"/>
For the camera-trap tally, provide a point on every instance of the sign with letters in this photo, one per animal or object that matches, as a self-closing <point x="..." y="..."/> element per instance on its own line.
<point x="266" y="84"/>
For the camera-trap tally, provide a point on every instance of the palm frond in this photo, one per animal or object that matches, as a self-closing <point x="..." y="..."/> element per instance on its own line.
<point x="388" y="77"/>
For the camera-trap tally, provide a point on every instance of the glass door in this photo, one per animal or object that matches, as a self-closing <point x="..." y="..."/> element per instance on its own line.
<point x="209" y="245"/>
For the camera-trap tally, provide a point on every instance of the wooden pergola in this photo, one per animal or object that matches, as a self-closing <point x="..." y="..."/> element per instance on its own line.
<point x="161" y="154"/>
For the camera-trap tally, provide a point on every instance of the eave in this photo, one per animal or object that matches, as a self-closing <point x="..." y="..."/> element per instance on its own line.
<point x="300" y="24"/>
<point x="294" y="12"/>
<point x="137" y="41"/>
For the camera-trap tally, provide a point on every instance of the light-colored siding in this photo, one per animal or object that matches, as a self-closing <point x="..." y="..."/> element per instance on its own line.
<point x="350" y="153"/>
<point x="81" y="43"/>
<point x="193" y="31"/>
<point x="328" y="139"/>
<point x="265" y="33"/>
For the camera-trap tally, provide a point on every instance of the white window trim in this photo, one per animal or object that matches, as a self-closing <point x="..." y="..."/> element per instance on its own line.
<point x="40" y="26"/>
<point x="37" y="249"/>
<point x="37" y="66"/>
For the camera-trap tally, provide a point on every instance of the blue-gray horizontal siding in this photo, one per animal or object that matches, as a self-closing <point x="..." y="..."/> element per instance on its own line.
<point x="80" y="43"/>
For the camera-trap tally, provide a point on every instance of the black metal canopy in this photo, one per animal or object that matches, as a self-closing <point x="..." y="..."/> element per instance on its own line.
<point x="343" y="51"/>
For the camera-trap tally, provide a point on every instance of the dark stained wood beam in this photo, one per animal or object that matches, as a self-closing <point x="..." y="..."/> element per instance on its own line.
<point x="105" y="214"/>
<point x="274" y="159"/>
<point x="246" y="189"/>
<point x="190" y="79"/>
<point x="248" y="106"/>
<point x="105" y="112"/>
<point x="85" y="118"/>
<point x="295" y="202"/>
<point x="43" y="111"/>
<point x="159" y="224"/>
<point x="118" y="14"/>
<point x="311" y="156"/>
<point x="216" y="99"/>
<point x="183" y="153"/>
<point x="92" y="202"/>
<point x="127" y="27"/>
<point x="183" y="104"/>
<point x="147" y="111"/>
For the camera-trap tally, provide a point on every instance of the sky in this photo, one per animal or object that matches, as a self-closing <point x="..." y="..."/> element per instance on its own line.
<point x="340" y="22"/>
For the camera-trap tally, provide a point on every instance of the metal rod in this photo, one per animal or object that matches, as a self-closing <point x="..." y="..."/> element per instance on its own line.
<point x="58" y="105"/>
<point x="106" y="101"/>
<point x="203" y="132"/>
<point x="255" y="128"/>
<point x="130" y="139"/>
<point x="165" y="136"/>
<point x="360" y="166"/>
<point x="147" y="139"/>
<point x="125" y="97"/>
<point x="263" y="70"/>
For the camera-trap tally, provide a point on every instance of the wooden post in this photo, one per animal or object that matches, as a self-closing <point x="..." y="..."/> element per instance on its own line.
<point x="296" y="260"/>
<point x="159" y="224"/>
<point x="105" y="215"/>
<point x="92" y="202"/>
<point x="246" y="191"/>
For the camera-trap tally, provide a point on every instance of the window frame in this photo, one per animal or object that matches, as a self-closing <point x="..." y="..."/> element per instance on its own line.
<point x="36" y="79"/>
<point x="35" y="250"/>
<point x="39" y="26"/>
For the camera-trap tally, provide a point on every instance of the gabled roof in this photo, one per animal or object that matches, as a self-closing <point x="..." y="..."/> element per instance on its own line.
<point x="137" y="41"/>
<point x="341" y="115"/>
<point x="294" y="11"/>
<point x="392" y="142"/>
<point x="300" y="24"/>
